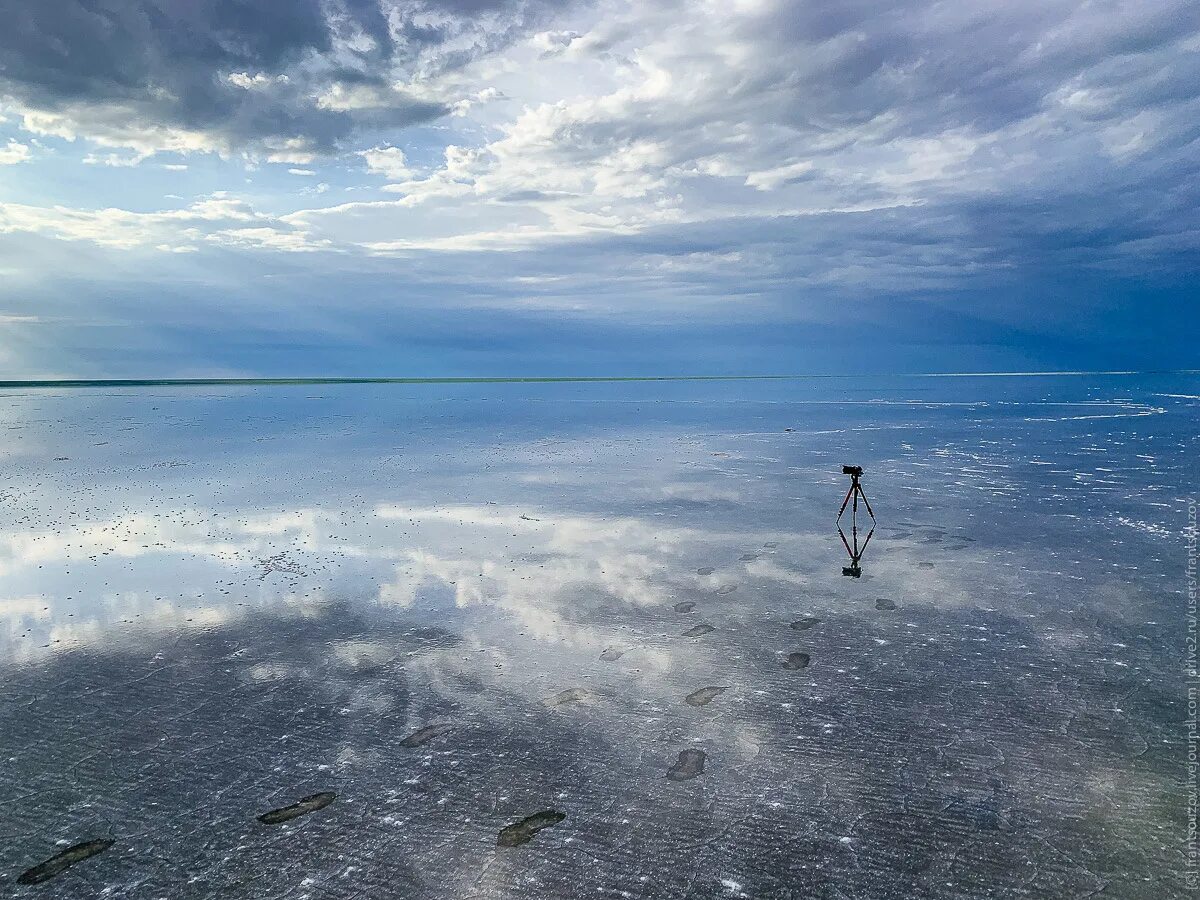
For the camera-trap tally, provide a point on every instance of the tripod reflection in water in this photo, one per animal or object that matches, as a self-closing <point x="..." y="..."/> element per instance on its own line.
<point x="854" y="570"/>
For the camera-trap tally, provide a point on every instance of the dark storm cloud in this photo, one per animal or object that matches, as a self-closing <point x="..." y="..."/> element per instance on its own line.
<point x="245" y="72"/>
<point x="983" y="65"/>
<point x="1016" y="134"/>
<point x="929" y="66"/>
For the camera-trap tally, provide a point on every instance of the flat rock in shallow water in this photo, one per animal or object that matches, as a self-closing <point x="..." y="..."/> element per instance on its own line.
<point x="703" y="696"/>
<point x="705" y="570"/>
<point x="521" y="832"/>
<point x="689" y="765"/>
<point x="748" y="557"/>
<point x="699" y="630"/>
<point x="426" y="734"/>
<point x="59" y="862"/>
<point x="796" y="661"/>
<point x="302" y="808"/>
<point x="726" y="589"/>
<point x="685" y="606"/>
<point x="611" y="654"/>
<point x="806" y="623"/>
<point x="570" y="695"/>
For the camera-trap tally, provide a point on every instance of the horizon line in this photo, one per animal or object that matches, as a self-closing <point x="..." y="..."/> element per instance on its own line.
<point x="538" y="379"/>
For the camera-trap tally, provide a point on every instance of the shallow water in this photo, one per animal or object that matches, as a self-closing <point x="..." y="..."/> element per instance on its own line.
<point x="446" y="609"/>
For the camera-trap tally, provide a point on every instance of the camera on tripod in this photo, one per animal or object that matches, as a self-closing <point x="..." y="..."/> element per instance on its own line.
<point x="854" y="570"/>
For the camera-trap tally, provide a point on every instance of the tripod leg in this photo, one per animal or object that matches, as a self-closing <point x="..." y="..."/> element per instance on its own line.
<point x="844" y="502"/>
<point x="854" y="519"/>
<point x="868" y="503"/>
<point x="842" y="535"/>
<point x="867" y="541"/>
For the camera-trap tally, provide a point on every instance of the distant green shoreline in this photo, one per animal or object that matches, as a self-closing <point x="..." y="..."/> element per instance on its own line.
<point x="567" y="379"/>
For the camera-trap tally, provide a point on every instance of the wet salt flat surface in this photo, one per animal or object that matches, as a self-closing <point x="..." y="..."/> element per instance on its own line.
<point x="594" y="640"/>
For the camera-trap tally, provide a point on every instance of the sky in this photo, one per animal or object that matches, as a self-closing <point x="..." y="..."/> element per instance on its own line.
<point x="201" y="188"/>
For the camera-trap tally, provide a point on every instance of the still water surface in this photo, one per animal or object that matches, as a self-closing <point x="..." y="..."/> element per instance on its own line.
<point x="594" y="640"/>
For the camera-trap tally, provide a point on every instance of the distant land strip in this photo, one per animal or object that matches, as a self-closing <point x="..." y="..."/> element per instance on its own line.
<point x="550" y="379"/>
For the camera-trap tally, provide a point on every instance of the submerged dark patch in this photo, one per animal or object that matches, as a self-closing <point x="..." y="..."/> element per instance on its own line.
<point x="698" y="630"/>
<point x="705" y="570"/>
<point x="885" y="603"/>
<point x="796" y="661"/>
<point x="611" y="654"/>
<point x="59" y="862"/>
<point x="426" y="734"/>
<point x="689" y="764"/>
<point x="522" y="832"/>
<point x="685" y="606"/>
<point x="806" y="623"/>
<point x="727" y="589"/>
<point x="747" y="557"/>
<point x="703" y="696"/>
<point x="302" y="808"/>
<point x="570" y="695"/>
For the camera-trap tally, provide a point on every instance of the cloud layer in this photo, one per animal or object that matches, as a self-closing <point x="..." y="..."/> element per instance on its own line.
<point x="288" y="80"/>
<point x="757" y="152"/>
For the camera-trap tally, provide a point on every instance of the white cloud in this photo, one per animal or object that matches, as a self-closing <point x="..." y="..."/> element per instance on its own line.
<point x="115" y="126"/>
<point x="113" y="160"/>
<point x="770" y="179"/>
<point x="292" y="151"/>
<point x="389" y="162"/>
<point x="13" y="153"/>
<point x="269" y="238"/>
<point x="216" y="220"/>
<point x="257" y="81"/>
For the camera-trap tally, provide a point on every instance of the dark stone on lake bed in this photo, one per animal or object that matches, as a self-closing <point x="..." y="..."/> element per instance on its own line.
<point x="703" y="696"/>
<point x="302" y="808"/>
<point x="59" y="862"/>
<point x="689" y="764"/>
<point x="425" y="735"/>
<point x="522" y="832"/>
<point x="570" y="695"/>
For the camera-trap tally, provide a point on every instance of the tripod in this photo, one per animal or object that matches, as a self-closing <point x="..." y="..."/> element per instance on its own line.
<point x="854" y="570"/>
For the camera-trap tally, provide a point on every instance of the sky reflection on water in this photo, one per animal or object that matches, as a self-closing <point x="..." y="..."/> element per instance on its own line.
<point x="219" y="602"/>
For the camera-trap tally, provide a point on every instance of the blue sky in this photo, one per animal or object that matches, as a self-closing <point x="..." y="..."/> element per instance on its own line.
<point x="492" y="187"/>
